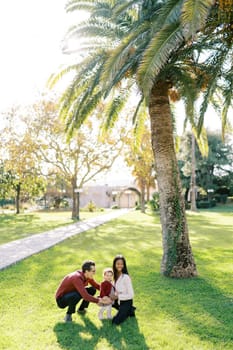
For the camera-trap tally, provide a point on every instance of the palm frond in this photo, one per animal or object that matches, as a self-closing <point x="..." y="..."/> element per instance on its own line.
<point x="214" y="66"/>
<point x="113" y="109"/>
<point x="157" y="55"/>
<point x="194" y="15"/>
<point x="83" y="80"/>
<point x="120" y="57"/>
<point x="201" y="138"/>
<point x="74" y="5"/>
<point x="202" y="141"/>
<point x="56" y="77"/>
<point x="92" y="46"/>
<point x="166" y="14"/>
<point x="136" y="112"/>
<point x="122" y="7"/>
<point x="95" y="28"/>
<point x="216" y="103"/>
<point x="140" y="116"/>
<point x="77" y="116"/>
<point x="187" y="86"/>
<point x="129" y="10"/>
<point x="83" y="94"/>
<point x="227" y="94"/>
<point x="103" y="9"/>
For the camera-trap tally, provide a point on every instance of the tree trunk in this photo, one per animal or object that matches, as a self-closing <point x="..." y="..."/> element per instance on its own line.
<point x="17" y="199"/>
<point x="147" y="193"/>
<point x="78" y="206"/>
<point x="193" y="177"/>
<point x="177" y="258"/>
<point x="74" y="198"/>
<point x="143" y="187"/>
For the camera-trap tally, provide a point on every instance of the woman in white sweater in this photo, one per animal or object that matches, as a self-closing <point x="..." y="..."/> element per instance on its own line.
<point x="124" y="290"/>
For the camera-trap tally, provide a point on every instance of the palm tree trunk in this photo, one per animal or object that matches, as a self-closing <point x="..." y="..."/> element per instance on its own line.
<point x="177" y="258"/>
<point x="193" y="177"/>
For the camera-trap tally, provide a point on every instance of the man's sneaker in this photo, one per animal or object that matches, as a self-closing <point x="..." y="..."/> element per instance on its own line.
<point x="68" y="318"/>
<point x="82" y="312"/>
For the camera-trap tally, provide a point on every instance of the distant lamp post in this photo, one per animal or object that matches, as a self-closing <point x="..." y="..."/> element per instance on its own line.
<point x="128" y="194"/>
<point x="114" y="197"/>
<point x="210" y="192"/>
<point x="78" y="191"/>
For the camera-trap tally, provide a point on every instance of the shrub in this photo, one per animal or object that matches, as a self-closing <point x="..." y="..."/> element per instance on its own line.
<point x="154" y="202"/>
<point x="91" y="207"/>
<point x="137" y="206"/>
<point x="206" y="204"/>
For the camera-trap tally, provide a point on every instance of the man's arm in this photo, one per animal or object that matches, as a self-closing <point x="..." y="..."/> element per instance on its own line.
<point x="78" y="284"/>
<point x="94" y="284"/>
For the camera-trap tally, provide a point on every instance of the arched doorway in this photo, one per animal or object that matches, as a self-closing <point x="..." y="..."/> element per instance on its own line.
<point x="129" y="197"/>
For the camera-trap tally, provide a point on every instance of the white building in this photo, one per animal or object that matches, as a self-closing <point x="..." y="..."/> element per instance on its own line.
<point x="104" y="196"/>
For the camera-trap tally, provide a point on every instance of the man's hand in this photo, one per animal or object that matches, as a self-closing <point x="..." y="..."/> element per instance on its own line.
<point x="105" y="301"/>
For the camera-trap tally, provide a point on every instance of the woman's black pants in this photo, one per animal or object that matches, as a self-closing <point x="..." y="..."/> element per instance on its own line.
<point x="124" y="311"/>
<point x="71" y="300"/>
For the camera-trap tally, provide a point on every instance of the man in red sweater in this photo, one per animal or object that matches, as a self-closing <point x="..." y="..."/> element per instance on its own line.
<point x="73" y="288"/>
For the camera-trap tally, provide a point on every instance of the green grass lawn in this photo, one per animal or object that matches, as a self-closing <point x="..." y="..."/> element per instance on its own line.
<point x="171" y="314"/>
<point x="14" y="226"/>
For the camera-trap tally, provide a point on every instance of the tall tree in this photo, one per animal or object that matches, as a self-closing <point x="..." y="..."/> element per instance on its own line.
<point x="140" y="159"/>
<point x="22" y="173"/>
<point x="78" y="160"/>
<point x="140" y="54"/>
<point x="144" y="46"/>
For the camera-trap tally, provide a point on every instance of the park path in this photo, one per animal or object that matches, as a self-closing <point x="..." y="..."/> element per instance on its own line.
<point x="12" y="252"/>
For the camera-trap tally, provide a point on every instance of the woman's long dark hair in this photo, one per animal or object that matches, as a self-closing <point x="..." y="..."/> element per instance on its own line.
<point x="124" y="270"/>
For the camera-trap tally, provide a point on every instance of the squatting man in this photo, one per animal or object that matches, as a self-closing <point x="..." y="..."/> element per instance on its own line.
<point x="74" y="287"/>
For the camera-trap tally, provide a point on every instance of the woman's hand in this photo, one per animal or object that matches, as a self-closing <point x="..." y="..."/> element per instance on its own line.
<point x="114" y="296"/>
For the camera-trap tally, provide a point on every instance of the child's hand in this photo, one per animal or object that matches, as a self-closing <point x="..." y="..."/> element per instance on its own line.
<point x="106" y="300"/>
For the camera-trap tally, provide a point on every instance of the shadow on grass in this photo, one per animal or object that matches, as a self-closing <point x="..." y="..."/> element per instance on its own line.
<point x="17" y="218"/>
<point x="198" y="306"/>
<point x="224" y="208"/>
<point x="86" y="336"/>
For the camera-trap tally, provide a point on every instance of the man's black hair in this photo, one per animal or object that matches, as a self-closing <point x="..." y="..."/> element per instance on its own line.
<point x="86" y="266"/>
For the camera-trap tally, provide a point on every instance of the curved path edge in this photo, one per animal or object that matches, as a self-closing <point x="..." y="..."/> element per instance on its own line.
<point x="15" y="251"/>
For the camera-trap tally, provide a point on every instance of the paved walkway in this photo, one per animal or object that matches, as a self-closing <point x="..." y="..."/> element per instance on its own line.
<point x="12" y="252"/>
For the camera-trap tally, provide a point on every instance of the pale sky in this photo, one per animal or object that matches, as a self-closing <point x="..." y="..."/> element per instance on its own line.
<point x="31" y="32"/>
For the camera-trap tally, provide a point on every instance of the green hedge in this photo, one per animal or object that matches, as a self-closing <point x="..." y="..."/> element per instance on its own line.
<point x="206" y="204"/>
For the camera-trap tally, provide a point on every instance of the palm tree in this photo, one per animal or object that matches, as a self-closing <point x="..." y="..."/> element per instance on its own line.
<point x="128" y="56"/>
<point x="141" y="46"/>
